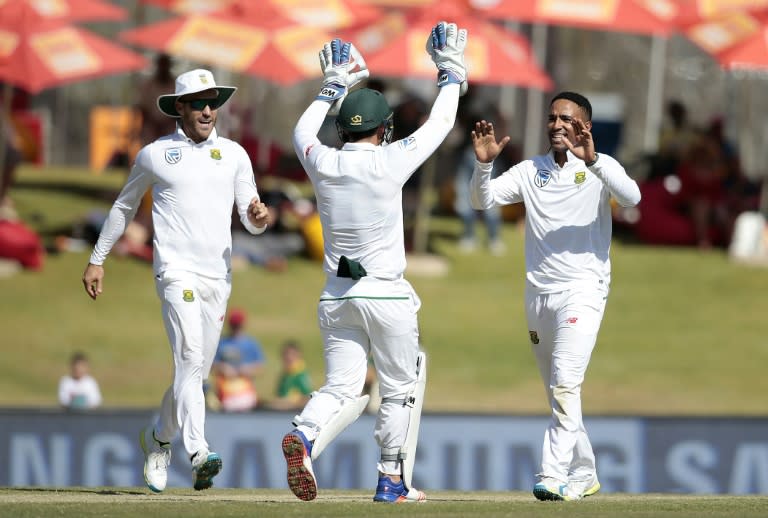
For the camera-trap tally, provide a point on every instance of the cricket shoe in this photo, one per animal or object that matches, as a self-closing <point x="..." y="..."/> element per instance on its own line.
<point x="205" y="465"/>
<point x="396" y="492"/>
<point x="157" y="457"/>
<point x="584" y="488"/>
<point x="548" y="488"/>
<point x="301" y="479"/>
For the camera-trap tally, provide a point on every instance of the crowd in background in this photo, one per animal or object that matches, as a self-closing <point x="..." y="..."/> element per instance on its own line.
<point x="693" y="188"/>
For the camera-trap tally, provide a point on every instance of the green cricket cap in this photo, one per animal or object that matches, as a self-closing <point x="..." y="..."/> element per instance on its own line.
<point x="363" y="110"/>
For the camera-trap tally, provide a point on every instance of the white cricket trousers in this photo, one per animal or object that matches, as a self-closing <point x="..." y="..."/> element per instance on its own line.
<point x="193" y="309"/>
<point x="377" y="317"/>
<point x="563" y="328"/>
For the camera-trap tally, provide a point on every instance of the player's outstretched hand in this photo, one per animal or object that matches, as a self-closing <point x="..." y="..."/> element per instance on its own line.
<point x="445" y="45"/>
<point x="343" y="67"/>
<point x="92" y="280"/>
<point x="484" y="142"/>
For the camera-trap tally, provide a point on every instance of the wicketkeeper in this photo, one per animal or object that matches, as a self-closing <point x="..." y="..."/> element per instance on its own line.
<point x="366" y="306"/>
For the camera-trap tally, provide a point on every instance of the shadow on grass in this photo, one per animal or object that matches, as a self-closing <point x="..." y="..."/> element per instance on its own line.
<point x="79" y="490"/>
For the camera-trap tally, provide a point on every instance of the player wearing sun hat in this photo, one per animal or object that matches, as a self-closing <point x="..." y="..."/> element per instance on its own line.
<point x="196" y="176"/>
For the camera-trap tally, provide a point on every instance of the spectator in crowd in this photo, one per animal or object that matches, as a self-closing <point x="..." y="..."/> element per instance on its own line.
<point x="697" y="203"/>
<point x="154" y="124"/>
<point x="676" y="136"/>
<point x="294" y="385"/>
<point x="465" y="163"/>
<point x="239" y="359"/>
<point x="79" y="390"/>
<point x="290" y="235"/>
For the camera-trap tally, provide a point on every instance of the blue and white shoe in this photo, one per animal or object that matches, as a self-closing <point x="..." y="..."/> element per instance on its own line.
<point x="396" y="492"/>
<point x="157" y="457"/>
<point x="301" y="479"/>
<point x="205" y="466"/>
<point x="548" y="488"/>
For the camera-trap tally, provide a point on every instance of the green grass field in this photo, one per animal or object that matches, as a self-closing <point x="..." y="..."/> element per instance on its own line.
<point x="684" y="332"/>
<point x="119" y="502"/>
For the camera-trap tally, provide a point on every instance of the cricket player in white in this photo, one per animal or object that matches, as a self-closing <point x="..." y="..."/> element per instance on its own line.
<point x="366" y="306"/>
<point x="568" y="271"/>
<point x="196" y="176"/>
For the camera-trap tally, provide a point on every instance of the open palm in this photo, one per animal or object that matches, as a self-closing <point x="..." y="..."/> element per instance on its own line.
<point x="484" y="142"/>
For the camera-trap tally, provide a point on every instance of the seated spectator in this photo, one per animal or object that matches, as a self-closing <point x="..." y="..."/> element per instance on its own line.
<point x="238" y="360"/>
<point x="294" y="386"/>
<point x="79" y="390"/>
<point x="698" y="203"/>
<point x="291" y="232"/>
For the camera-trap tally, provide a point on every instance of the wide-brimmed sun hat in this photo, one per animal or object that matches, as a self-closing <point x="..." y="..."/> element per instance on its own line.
<point x="192" y="82"/>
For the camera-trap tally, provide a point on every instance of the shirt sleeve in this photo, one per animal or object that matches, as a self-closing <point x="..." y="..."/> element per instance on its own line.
<point x="245" y="190"/>
<point x="64" y="395"/>
<point x="306" y="130"/>
<point x="125" y="207"/>
<point x="95" y="394"/>
<point x="623" y="188"/>
<point x="486" y="193"/>
<point x="406" y="155"/>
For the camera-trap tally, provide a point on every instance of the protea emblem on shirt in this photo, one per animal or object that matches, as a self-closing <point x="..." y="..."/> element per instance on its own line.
<point x="173" y="155"/>
<point x="216" y="154"/>
<point x="188" y="296"/>
<point x="580" y="177"/>
<point x="542" y="177"/>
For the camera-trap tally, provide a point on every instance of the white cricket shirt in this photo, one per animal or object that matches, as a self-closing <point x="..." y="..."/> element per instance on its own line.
<point x="359" y="187"/>
<point x="567" y="215"/>
<point x="194" y="187"/>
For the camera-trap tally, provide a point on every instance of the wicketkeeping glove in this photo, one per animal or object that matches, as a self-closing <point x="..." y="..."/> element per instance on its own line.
<point x="343" y="67"/>
<point x="446" y="44"/>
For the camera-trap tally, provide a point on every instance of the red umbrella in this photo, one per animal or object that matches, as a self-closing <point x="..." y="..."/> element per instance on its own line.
<point x="395" y="45"/>
<point x="34" y="11"/>
<point x="634" y="16"/>
<point x="279" y="50"/>
<point x="736" y="40"/>
<point x="683" y="13"/>
<point x="330" y="14"/>
<point x="50" y="54"/>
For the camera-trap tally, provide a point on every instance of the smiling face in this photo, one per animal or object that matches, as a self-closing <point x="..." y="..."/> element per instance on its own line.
<point x="560" y="123"/>
<point x="196" y="121"/>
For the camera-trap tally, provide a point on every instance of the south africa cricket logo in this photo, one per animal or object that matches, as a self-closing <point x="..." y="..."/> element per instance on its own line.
<point x="173" y="155"/>
<point x="581" y="177"/>
<point x="188" y="296"/>
<point x="216" y="154"/>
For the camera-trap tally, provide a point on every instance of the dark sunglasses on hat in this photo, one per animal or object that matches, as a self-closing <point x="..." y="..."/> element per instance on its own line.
<point x="200" y="104"/>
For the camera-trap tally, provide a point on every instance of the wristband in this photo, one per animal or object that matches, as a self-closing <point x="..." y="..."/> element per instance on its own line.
<point x="593" y="162"/>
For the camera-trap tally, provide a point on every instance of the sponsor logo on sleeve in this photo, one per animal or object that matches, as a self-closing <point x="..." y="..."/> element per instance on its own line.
<point x="308" y="150"/>
<point x="173" y="155"/>
<point x="408" y="143"/>
<point x="534" y="337"/>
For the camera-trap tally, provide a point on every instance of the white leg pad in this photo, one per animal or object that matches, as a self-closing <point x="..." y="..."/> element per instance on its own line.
<point x="415" y="400"/>
<point x="350" y="410"/>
